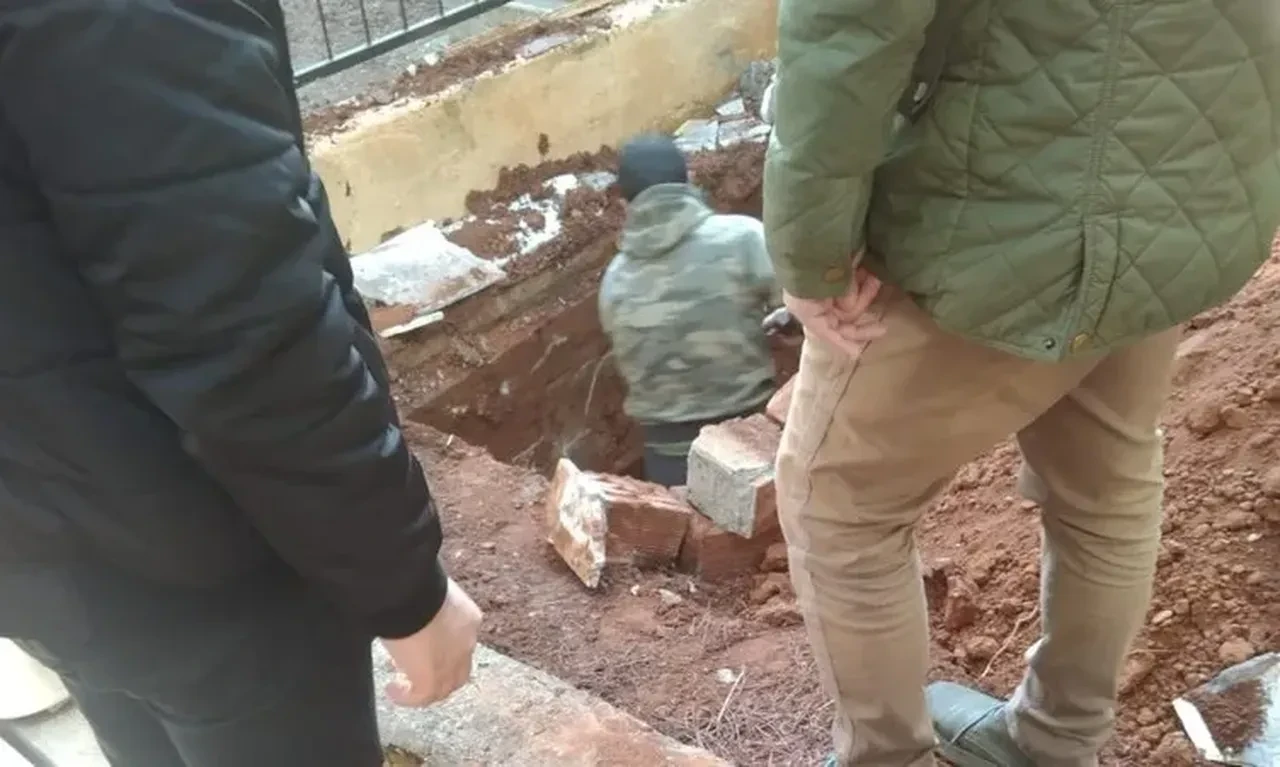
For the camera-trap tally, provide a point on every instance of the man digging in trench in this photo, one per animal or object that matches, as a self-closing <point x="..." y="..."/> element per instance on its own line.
<point x="206" y="507"/>
<point x="1063" y="184"/>
<point x="682" y="304"/>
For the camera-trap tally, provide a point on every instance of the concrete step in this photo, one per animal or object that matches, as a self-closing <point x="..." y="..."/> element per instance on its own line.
<point x="510" y="715"/>
<point x="514" y="715"/>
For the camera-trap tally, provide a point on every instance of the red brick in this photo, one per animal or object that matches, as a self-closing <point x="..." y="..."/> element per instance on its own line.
<point x="596" y="520"/>
<point x="731" y="474"/>
<point x="714" y="554"/>
<point x="780" y="402"/>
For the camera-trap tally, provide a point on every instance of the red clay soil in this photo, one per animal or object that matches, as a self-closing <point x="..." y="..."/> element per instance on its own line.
<point x="730" y="178"/>
<point x="1236" y="716"/>
<point x="1217" y="595"/>
<point x="471" y="58"/>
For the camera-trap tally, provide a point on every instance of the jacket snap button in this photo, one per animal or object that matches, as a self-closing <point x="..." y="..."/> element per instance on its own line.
<point x="1079" y="342"/>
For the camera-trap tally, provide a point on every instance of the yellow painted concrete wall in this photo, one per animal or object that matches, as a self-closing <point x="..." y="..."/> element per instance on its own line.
<point x="410" y="163"/>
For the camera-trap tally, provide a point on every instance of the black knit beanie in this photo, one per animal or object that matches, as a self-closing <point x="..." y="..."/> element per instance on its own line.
<point x="649" y="160"/>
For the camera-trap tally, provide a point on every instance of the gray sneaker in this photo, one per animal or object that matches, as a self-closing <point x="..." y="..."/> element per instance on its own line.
<point x="971" y="729"/>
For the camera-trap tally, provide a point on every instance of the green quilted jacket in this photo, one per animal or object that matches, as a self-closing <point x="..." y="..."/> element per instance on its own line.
<point x="1087" y="172"/>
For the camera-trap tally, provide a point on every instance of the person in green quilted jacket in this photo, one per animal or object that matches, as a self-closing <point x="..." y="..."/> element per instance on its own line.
<point x="992" y="225"/>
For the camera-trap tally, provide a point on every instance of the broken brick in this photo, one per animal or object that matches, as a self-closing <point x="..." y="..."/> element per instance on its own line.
<point x="712" y="553"/>
<point x="731" y="474"/>
<point x="601" y="519"/>
<point x="780" y="402"/>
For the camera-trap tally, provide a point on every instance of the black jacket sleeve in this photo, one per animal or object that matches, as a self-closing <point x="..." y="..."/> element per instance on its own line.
<point x="162" y="138"/>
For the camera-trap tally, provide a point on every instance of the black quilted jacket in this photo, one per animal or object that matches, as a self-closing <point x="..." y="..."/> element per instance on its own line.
<point x="188" y="384"/>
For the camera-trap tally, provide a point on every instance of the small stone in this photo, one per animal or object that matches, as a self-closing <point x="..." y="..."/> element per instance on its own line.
<point x="1237" y="519"/>
<point x="1271" y="393"/>
<point x="488" y="545"/>
<point x="1234" y="417"/>
<point x="1204" y="418"/>
<point x="780" y="613"/>
<point x="1235" y="651"/>
<point x="1255" y="578"/>
<point x="768" y="587"/>
<point x="1259" y="441"/>
<point x="669" y="598"/>
<point x="981" y="649"/>
<point x="1137" y="668"/>
<point x="1271" y="482"/>
<point x="726" y="675"/>
<point x="1029" y="505"/>
<point x="962" y="607"/>
<point x="1162" y="617"/>
<point x="635" y="590"/>
<point x="1146" y="717"/>
<point x="775" y="559"/>
<point x="1174" y="750"/>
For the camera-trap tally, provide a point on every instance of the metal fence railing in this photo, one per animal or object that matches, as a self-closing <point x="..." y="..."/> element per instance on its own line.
<point x="329" y="36"/>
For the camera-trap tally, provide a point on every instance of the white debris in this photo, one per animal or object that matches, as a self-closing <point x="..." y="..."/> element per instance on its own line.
<point x="726" y="675"/>
<point x="418" y="322"/>
<point x="741" y="131"/>
<point x="599" y="180"/>
<point x="733" y="108"/>
<point x="697" y="135"/>
<point x="628" y="13"/>
<point x="420" y="268"/>
<point x="563" y="184"/>
<point x="541" y="45"/>
<point x="669" y="598"/>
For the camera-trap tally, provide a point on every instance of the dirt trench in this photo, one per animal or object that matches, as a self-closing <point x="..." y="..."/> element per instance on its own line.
<point x="523" y="369"/>
<point x="516" y="377"/>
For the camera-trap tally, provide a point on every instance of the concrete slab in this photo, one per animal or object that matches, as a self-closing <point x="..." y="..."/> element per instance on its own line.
<point x="516" y="716"/>
<point x="422" y="269"/>
<point x="510" y="715"/>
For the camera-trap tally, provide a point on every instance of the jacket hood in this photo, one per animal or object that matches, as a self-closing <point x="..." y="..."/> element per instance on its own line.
<point x="660" y="217"/>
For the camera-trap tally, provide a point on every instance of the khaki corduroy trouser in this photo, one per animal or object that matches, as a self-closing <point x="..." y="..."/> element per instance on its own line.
<point x="869" y="442"/>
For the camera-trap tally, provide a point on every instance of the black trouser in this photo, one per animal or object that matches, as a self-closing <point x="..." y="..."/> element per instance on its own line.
<point x="666" y="447"/>
<point x="262" y="674"/>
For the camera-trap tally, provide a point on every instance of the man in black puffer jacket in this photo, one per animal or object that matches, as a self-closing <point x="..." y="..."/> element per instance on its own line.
<point x="206" y="507"/>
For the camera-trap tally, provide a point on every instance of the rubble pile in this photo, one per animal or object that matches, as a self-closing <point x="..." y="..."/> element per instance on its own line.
<point x="724" y="524"/>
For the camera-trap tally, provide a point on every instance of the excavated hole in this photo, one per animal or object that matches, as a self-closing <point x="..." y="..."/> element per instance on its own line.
<point x="526" y="372"/>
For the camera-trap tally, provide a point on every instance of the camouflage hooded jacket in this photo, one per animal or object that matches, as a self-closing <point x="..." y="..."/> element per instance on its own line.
<point x="682" y="303"/>
<point x="1088" y="172"/>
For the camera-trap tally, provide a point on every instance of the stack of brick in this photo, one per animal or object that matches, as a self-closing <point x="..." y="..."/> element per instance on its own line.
<point x="723" y="524"/>
<point x="731" y="487"/>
